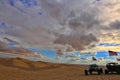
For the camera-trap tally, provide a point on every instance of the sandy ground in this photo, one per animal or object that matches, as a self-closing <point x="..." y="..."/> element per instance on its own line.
<point x="21" y="69"/>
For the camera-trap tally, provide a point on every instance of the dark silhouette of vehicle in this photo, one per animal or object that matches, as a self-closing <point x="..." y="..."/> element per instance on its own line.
<point x="93" y="68"/>
<point x="112" y="67"/>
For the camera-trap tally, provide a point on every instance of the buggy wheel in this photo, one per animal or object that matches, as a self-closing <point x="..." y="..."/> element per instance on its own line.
<point x="86" y="72"/>
<point x="118" y="72"/>
<point x="90" y="72"/>
<point x="101" y="70"/>
<point x="106" y="71"/>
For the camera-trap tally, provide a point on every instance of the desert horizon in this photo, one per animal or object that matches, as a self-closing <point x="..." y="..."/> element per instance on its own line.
<point x="22" y="69"/>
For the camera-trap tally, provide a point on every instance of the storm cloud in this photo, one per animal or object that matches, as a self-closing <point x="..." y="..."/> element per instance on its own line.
<point x="115" y="25"/>
<point x="51" y="24"/>
<point x="77" y="41"/>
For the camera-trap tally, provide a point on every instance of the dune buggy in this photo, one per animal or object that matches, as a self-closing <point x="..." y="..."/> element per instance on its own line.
<point x="93" y="68"/>
<point x="112" y="67"/>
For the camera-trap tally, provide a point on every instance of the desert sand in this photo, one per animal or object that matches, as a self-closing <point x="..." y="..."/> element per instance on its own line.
<point x="22" y="69"/>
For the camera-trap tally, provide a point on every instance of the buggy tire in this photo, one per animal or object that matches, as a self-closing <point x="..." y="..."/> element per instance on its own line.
<point x="90" y="72"/>
<point x="86" y="72"/>
<point x="118" y="72"/>
<point x="101" y="70"/>
<point x="106" y="71"/>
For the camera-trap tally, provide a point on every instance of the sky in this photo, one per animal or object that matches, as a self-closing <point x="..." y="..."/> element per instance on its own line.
<point x="82" y="25"/>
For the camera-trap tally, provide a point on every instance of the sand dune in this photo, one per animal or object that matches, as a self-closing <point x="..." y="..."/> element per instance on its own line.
<point x="22" y="63"/>
<point x="22" y="69"/>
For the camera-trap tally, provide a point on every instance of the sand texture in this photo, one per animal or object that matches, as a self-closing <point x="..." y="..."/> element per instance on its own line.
<point x="21" y="69"/>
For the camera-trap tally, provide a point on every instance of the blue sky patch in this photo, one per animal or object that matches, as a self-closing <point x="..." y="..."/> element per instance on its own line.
<point x="109" y="44"/>
<point x="11" y="44"/>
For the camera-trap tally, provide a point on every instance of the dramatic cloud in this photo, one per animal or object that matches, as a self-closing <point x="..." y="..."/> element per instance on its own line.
<point x="53" y="24"/>
<point x="115" y="25"/>
<point x="60" y="52"/>
<point x="77" y="41"/>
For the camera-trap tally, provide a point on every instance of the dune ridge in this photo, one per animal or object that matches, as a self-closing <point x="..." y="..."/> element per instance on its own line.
<point x="23" y="63"/>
